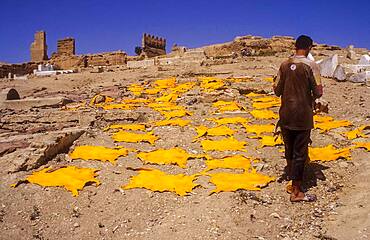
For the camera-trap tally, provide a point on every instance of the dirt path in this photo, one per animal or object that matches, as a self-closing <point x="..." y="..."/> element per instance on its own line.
<point x="353" y="219"/>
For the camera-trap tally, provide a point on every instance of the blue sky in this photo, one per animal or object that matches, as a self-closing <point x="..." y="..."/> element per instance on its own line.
<point x="107" y="25"/>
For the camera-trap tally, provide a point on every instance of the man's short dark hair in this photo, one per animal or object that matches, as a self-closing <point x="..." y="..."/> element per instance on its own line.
<point x="303" y="42"/>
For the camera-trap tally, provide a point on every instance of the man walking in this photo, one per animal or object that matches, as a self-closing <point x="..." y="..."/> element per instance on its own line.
<point x="298" y="83"/>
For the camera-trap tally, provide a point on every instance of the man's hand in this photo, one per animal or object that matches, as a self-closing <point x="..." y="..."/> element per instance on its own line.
<point x="320" y="105"/>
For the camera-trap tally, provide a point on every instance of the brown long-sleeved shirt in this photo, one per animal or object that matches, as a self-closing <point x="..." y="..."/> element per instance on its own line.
<point x="298" y="83"/>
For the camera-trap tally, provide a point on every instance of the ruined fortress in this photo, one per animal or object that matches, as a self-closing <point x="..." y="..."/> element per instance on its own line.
<point x="66" y="57"/>
<point x="39" y="47"/>
<point x="153" y="46"/>
<point x="152" y="52"/>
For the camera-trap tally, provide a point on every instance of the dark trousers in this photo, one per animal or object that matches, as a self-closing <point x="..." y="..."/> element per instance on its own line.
<point x="296" y="151"/>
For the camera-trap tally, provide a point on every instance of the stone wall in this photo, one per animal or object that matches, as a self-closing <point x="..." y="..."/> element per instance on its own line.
<point x="185" y="56"/>
<point x="66" y="61"/>
<point x="141" y="64"/>
<point x="251" y="46"/>
<point x="90" y="60"/>
<point x="153" y="46"/>
<point x="66" y="46"/>
<point x="106" y="59"/>
<point x="39" y="48"/>
<point x="17" y="69"/>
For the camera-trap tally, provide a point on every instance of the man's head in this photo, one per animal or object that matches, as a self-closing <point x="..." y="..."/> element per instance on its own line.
<point x="303" y="45"/>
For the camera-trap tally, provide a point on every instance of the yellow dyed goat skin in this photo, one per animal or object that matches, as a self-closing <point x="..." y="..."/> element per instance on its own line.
<point x="209" y="84"/>
<point x="356" y="133"/>
<point x="269" y="79"/>
<point x="230" y="182"/>
<point x="173" y="122"/>
<point x="223" y="106"/>
<point x="322" y="119"/>
<point x="175" y="113"/>
<point x="98" y="153"/>
<point x="152" y="91"/>
<point x="230" y="120"/>
<point x="165" y="106"/>
<point x="136" y="101"/>
<point x="263" y="105"/>
<point x="328" y="153"/>
<point x="160" y="105"/>
<point x="365" y="145"/>
<point x="71" y="178"/>
<point x="221" y="103"/>
<point x="167" y="98"/>
<point x="267" y="99"/>
<point x="326" y="126"/>
<point x="216" y="131"/>
<point x="258" y="129"/>
<point x="270" y="141"/>
<point x="253" y="95"/>
<point x="156" y="180"/>
<point x="165" y="83"/>
<point x="124" y="136"/>
<point x="264" y="114"/>
<point x="232" y="162"/>
<point x="176" y="156"/>
<point x="136" y="89"/>
<point x="184" y="87"/>
<point x="134" y="127"/>
<point x="226" y="144"/>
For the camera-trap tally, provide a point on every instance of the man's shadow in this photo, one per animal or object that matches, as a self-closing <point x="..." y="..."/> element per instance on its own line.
<point x="313" y="173"/>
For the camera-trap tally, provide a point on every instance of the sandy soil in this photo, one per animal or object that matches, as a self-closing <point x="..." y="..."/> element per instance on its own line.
<point x="105" y="212"/>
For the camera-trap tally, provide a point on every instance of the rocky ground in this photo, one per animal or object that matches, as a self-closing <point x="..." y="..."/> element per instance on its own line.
<point x="42" y="136"/>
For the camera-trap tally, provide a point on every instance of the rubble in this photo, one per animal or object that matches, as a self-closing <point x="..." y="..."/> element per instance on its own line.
<point x="48" y="147"/>
<point x="364" y="60"/>
<point x="310" y="57"/>
<point x="351" y="54"/>
<point x="339" y="73"/>
<point x="28" y="103"/>
<point x="361" y="77"/>
<point x="177" y="50"/>
<point x="328" y="66"/>
<point x="356" y="68"/>
<point x="357" y="73"/>
<point x="8" y="147"/>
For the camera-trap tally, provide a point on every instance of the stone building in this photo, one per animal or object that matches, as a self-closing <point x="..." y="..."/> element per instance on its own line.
<point x="39" y="47"/>
<point x="153" y="46"/>
<point x="66" y="46"/>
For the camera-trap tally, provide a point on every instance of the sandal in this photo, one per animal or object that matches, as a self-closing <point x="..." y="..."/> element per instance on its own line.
<point x="306" y="198"/>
